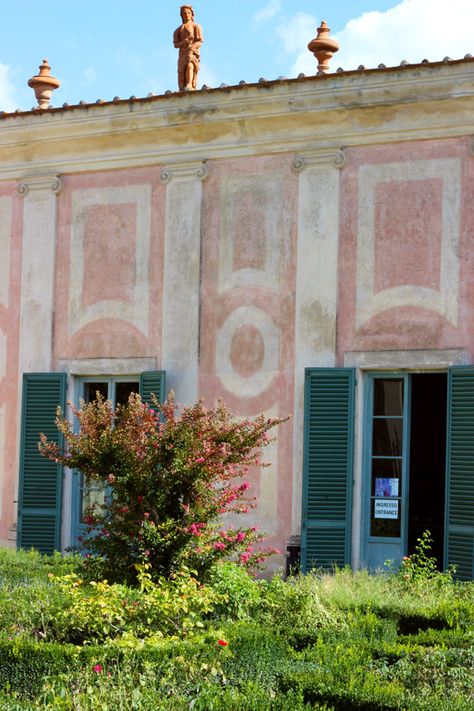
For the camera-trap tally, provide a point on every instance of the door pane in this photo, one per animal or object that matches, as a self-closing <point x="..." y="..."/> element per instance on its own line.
<point x="388" y="396"/>
<point x="387" y="437"/>
<point x="386" y="477"/>
<point x="389" y="467"/>
<point x="385" y="527"/>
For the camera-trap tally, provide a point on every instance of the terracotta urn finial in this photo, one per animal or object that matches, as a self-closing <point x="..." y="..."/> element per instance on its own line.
<point x="323" y="47"/>
<point x="43" y="85"/>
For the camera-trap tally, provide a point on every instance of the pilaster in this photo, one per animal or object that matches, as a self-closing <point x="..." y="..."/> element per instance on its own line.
<point x="181" y="281"/>
<point x="316" y="285"/>
<point x="37" y="273"/>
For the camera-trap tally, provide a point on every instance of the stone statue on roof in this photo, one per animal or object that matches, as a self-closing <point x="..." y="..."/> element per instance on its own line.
<point x="188" y="39"/>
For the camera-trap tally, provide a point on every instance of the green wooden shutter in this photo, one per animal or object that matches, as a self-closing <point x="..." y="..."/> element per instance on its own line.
<point x="40" y="485"/>
<point x="327" y="468"/>
<point x="459" y="529"/>
<point x="152" y="382"/>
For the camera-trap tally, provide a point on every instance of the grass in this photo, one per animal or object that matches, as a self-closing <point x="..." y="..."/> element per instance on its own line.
<point x="344" y="641"/>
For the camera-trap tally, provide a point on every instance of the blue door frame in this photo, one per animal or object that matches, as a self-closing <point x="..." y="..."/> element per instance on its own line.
<point x="375" y="549"/>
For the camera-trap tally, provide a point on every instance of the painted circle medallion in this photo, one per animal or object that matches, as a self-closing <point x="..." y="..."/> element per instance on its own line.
<point x="247" y="351"/>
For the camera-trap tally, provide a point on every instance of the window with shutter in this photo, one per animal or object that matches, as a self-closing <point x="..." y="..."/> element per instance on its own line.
<point x="117" y="390"/>
<point x="459" y="539"/>
<point x="153" y="383"/>
<point x="327" y="467"/>
<point x="39" y="495"/>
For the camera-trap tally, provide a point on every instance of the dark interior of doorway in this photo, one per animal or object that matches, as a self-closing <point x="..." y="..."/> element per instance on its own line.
<point x="427" y="460"/>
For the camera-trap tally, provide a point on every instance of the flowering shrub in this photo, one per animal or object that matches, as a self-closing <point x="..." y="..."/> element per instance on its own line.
<point x="174" y="477"/>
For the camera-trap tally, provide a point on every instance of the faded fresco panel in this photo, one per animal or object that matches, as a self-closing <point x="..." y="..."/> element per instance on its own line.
<point x="247" y="319"/>
<point x="110" y="265"/>
<point x="402" y="249"/>
<point x="109" y="253"/>
<point x="408" y="233"/>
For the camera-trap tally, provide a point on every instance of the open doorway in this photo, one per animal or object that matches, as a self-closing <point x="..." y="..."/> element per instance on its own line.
<point x="427" y="460"/>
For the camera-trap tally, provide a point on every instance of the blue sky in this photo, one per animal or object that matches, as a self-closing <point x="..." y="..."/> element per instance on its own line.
<point x="107" y="48"/>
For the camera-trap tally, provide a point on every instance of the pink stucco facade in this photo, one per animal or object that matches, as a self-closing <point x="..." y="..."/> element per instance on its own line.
<point x="287" y="232"/>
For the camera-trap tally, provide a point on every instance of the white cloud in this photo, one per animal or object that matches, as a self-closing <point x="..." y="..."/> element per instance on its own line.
<point x="411" y="30"/>
<point x="7" y="89"/>
<point x="270" y="10"/>
<point x="294" y="33"/>
<point x="89" y="76"/>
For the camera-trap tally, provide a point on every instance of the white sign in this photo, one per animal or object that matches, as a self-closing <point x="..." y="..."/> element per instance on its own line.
<point x="386" y="508"/>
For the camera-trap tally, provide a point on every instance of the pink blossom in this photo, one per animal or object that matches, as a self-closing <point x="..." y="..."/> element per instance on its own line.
<point x="245" y="558"/>
<point x="245" y="486"/>
<point x="98" y="668"/>
<point x="219" y="546"/>
<point x="240" y="537"/>
<point x="200" y="460"/>
<point x="194" y="529"/>
<point x="146" y="514"/>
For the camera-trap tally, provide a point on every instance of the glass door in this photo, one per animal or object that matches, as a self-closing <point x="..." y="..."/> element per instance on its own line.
<point x="386" y="465"/>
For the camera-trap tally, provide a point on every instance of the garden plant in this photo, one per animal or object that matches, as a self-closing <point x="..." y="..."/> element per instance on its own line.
<point x="173" y="478"/>
<point x="161" y="617"/>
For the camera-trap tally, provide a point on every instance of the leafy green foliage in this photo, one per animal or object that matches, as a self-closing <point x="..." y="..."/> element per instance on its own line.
<point x="421" y="566"/>
<point x="320" y="642"/>
<point x="240" y="594"/>
<point x="174" y="478"/>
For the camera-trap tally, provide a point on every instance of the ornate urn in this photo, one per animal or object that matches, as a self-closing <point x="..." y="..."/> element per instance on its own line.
<point x="323" y="47"/>
<point x="43" y="85"/>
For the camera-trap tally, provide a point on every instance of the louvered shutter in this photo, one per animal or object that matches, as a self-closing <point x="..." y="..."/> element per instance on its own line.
<point x="459" y="538"/>
<point x="327" y="468"/>
<point x="152" y="382"/>
<point x="40" y="485"/>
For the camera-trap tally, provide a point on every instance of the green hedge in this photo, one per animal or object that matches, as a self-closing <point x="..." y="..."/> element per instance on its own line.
<point x="24" y="664"/>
